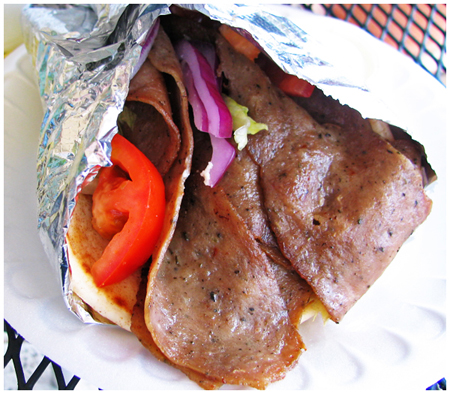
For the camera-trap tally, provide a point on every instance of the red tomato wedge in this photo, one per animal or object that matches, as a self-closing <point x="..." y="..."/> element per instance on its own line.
<point x="128" y="208"/>
<point x="239" y="42"/>
<point x="294" y="86"/>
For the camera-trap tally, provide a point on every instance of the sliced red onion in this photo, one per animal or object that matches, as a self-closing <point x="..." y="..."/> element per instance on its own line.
<point x="222" y="156"/>
<point x="150" y="39"/>
<point x="219" y="122"/>
<point x="198" y="109"/>
<point x="209" y="52"/>
<point x="210" y="111"/>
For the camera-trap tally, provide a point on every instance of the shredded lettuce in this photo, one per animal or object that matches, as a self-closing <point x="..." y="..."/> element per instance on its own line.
<point x="128" y="117"/>
<point x="313" y="309"/>
<point x="242" y="123"/>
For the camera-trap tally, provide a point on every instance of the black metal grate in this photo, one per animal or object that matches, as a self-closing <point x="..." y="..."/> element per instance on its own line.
<point x="12" y="353"/>
<point x="417" y="30"/>
<point x="441" y="385"/>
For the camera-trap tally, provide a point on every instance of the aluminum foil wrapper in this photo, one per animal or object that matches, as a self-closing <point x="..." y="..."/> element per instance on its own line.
<point x="85" y="57"/>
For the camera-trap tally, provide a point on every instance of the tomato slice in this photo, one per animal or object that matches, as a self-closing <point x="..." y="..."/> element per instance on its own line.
<point x="294" y="86"/>
<point x="128" y="208"/>
<point x="239" y="42"/>
<point x="289" y="84"/>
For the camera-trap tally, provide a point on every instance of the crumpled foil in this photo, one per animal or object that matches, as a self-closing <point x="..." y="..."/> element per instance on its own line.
<point x="85" y="56"/>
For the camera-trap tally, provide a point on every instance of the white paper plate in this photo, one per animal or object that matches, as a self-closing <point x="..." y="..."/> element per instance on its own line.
<point x="394" y="338"/>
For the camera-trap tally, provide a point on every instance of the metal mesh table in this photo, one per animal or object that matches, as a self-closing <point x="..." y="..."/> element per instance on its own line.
<point x="13" y="354"/>
<point x="417" y="30"/>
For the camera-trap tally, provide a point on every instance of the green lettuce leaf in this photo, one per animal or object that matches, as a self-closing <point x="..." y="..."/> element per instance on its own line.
<point x="243" y="125"/>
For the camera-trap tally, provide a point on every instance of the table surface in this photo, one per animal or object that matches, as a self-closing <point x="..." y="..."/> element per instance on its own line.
<point x="418" y="31"/>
